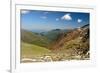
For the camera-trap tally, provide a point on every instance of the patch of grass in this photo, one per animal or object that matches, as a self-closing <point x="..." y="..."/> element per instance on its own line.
<point x="31" y="51"/>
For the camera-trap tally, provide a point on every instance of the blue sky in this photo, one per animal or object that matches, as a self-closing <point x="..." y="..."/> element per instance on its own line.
<point x="48" y="20"/>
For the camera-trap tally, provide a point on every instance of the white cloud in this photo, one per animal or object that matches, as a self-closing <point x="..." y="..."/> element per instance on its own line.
<point x="43" y="17"/>
<point x="79" y="20"/>
<point x="46" y="12"/>
<point x="57" y="19"/>
<point x="66" y="17"/>
<point x="25" y="11"/>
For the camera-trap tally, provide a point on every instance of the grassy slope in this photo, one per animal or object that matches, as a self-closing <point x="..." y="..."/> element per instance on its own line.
<point x="33" y="38"/>
<point x="31" y="51"/>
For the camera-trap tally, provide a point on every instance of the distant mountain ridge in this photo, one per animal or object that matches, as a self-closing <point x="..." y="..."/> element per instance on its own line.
<point x="53" y="34"/>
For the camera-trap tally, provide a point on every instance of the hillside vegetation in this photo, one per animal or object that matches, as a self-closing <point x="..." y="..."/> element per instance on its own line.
<point x="34" y="38"/>
<point x="32" y="51"/>
<point x="57" y="45"/>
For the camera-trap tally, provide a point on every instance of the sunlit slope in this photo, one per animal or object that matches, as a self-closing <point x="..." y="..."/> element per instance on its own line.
<point x="31" y="51"/>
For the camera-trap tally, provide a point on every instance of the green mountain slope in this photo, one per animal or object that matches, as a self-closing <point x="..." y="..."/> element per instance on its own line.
<point x="33" y="38"/>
